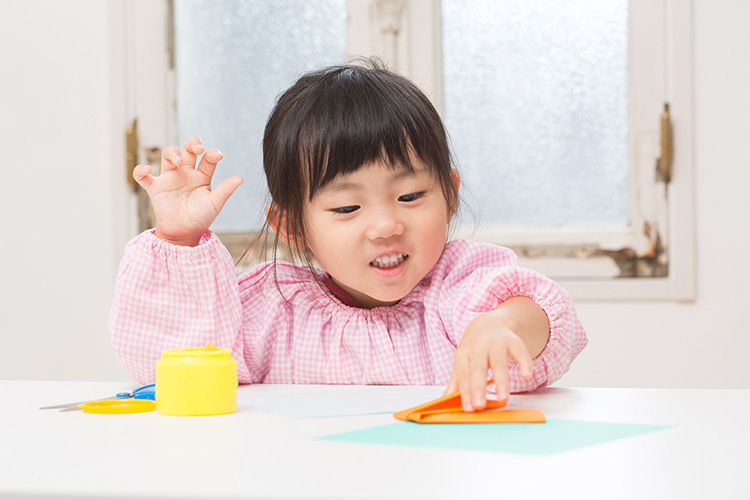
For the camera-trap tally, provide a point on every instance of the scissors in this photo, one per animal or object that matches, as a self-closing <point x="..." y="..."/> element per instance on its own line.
<point x="145" y="392"/>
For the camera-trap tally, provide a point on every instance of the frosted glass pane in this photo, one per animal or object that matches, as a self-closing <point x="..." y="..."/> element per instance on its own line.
<point x="535" y="101"/>
<point x="232" y="59"/>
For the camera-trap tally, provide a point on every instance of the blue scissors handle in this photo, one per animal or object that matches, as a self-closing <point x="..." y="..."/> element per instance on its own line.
<point x="145" y="392"/>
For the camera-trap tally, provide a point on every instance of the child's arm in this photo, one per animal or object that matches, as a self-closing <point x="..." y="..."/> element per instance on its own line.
<point x="493" y="308"/>
<point x="168" y="297"/>
<point x="517" y="330"/>
<point x="172" y="292"/>
<point x="184" y="205"/>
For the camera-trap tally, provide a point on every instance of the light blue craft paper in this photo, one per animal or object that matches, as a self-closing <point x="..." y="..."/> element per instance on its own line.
<point x="554" y="436"/>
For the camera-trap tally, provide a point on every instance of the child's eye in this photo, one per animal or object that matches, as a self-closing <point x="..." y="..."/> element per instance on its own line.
<point x="410" y="197"/>
<point x="345" y="210"/>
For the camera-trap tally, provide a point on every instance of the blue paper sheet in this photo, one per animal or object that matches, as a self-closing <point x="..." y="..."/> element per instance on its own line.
<point x="555" y="436"/>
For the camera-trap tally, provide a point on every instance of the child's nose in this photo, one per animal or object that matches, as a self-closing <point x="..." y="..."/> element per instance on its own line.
<point x="384" y="224"/>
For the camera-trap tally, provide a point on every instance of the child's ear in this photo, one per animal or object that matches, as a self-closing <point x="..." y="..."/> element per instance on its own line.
<point x="275" y="218"/>
<point x="454" y="203"/>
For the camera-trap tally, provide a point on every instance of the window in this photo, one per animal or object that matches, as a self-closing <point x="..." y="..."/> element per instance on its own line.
<point x="554" y="111"/>
<point x="227" y="79"/>
<point x="536" y="102"/>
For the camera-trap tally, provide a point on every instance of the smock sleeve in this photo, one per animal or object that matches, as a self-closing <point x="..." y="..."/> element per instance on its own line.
<point x="168" y="297"/>
<point x="484" y="276"/>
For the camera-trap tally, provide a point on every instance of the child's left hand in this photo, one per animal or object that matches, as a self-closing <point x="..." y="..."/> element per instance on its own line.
<point x="491" y="341"/>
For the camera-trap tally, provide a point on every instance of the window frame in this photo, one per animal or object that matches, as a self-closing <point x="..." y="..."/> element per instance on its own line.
<point x="664" y="209"/>
<point x="396" y="31"/>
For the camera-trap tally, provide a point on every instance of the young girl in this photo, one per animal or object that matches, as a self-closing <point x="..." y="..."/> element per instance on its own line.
<point x="360" y="174"/>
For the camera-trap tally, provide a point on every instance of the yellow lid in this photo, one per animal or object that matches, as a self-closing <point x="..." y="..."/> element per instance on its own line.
<point x="119" y="406"/>
<point x="209" y="350"/>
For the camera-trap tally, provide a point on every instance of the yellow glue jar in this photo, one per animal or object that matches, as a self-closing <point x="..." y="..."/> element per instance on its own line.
<point x="198" y="381"/>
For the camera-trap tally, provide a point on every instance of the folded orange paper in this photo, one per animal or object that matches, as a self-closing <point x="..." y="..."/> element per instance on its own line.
<point x="448" y="410"/>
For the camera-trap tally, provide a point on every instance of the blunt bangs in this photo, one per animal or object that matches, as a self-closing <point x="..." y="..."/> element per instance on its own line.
<point x="360" y="119"/>
<point x="350" y="116"/>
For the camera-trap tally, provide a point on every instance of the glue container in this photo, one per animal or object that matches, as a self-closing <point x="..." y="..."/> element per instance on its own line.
<point x="199" y="381"/>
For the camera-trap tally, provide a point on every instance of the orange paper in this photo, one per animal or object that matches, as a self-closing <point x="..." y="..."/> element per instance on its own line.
<point x="448" y="410"/>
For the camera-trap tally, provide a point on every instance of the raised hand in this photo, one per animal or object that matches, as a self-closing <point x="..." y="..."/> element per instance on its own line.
<point x="184" y="204"/>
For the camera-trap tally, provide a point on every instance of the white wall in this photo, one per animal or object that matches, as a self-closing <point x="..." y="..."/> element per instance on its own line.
<point x="701" y="344"/>
<point x="62" y="204"/>
<point x="65" y="210"/>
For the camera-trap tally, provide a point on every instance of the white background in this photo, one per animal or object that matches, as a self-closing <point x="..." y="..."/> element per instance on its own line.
<point x="66" y="215"/>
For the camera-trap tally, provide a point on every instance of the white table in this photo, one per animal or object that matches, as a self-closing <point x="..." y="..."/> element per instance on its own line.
<point x="257" y="454"/>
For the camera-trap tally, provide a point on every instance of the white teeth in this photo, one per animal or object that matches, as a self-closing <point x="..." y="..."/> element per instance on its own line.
<point x="389" y="261"/>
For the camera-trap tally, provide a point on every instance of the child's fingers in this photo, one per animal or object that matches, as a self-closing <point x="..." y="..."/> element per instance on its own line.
<point x="142" y="175"/>
<point x="170" y="158"/>
<point x="452" y="386"/>
<point x="224" y="190"/>
<point x="464" y="388"/>
<point x="209" y="161"/>
<point x="462" y="377"/>
<point x="478" y="383"/>
<point x="190" y="151"/>
<point x="521" y="356"/>
<point x="499" y="365"/>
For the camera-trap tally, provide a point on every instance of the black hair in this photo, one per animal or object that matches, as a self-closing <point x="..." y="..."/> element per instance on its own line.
<point x="334" y="121"/>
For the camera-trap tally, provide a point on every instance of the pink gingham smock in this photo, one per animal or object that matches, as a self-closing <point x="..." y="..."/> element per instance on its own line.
<point x="169" y="296"/>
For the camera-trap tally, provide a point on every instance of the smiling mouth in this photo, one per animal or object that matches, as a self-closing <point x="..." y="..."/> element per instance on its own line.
<point x="389" y="261"/>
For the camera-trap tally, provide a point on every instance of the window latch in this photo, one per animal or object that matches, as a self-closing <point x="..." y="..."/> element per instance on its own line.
<point x="664" y="164"/>
<point x="131" y="152"/>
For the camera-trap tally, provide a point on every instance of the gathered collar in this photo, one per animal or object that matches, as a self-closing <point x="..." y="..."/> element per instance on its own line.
<point x="339" y="292"/>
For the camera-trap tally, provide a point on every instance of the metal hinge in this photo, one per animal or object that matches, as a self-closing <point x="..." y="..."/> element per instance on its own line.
<point x="170" y="33"/>
<point x="131" y="151"/>
<point x="665" y="163"/>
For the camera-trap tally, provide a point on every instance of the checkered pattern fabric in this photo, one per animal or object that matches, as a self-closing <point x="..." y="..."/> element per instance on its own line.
<point x="284" y="325"/>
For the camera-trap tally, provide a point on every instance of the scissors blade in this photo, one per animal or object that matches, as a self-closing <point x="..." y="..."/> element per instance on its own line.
<point x="74" y="406"/>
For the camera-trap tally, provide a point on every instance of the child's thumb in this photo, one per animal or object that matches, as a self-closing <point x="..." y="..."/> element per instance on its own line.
<point x="224" y="190"/>
<point x="452" y="386"/>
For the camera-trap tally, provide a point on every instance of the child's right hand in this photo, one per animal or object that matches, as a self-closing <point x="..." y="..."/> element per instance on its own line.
<point x="184" y="205"/>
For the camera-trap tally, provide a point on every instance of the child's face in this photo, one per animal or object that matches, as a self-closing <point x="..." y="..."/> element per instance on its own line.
<point x="378" y="231"/>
